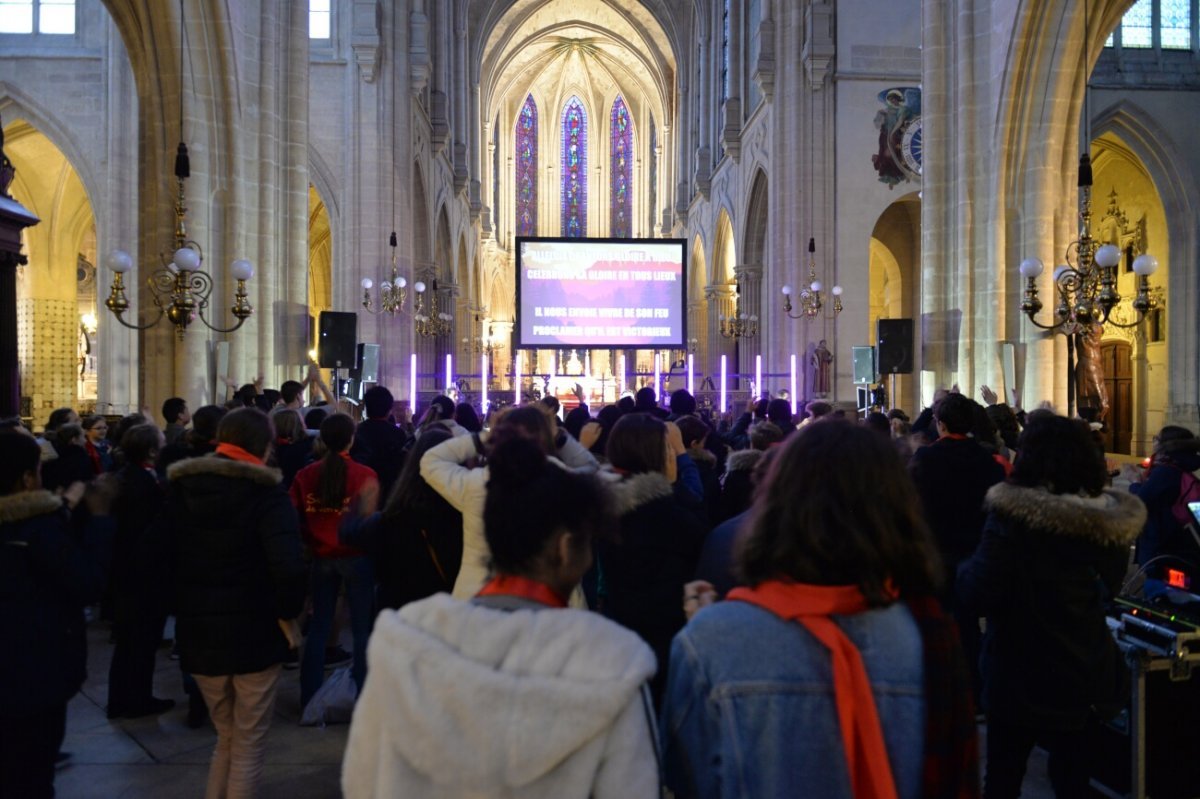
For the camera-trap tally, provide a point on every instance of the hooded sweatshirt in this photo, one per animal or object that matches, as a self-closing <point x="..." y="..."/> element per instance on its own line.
<point x="471" y="701"/>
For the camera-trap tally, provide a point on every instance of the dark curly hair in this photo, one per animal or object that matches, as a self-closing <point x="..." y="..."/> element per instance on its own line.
<point x="520" y="478"/>
<point x="858" y="524"/>
<point x="1059" y="454"/>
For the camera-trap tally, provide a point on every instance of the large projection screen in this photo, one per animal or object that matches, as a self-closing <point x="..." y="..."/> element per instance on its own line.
<point x="601" y="293"/>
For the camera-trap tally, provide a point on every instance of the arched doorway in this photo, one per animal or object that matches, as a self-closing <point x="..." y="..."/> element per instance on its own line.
<point x="1127" y="210"/>
<point x="320" y="264"/>
<point x="894" y="256"/>
<point x="57" y="292"/>
<point x="722" y="296"/>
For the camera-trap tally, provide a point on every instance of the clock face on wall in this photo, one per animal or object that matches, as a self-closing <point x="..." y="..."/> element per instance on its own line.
<point x="910" y="146"/>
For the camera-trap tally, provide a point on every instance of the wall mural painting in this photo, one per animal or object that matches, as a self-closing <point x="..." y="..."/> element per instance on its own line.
<point x="899" y="126"/>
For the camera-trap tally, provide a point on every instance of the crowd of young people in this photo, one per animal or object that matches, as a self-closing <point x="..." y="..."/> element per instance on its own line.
<point x="642" y="600"/>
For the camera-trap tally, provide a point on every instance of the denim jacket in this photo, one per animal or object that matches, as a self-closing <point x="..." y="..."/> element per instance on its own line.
<point x="749" y="709"/>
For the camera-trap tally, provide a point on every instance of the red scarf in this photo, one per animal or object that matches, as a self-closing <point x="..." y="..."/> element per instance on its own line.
<point x="862" y="738"/>
<point x="512" y="585"/>
<point x="234" y="452"/>
<point x="94" y="455"/>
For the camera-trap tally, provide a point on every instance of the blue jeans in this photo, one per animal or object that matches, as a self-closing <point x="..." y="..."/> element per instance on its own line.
<point x="328" y="575"/>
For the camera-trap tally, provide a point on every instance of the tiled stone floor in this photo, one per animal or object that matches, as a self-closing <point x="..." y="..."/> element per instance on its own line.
<point x="160" y="758"/>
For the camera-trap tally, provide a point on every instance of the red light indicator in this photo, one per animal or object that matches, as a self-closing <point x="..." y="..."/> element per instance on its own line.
<point x="1176" y="578"/>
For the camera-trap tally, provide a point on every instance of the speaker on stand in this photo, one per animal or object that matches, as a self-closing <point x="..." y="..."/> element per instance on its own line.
<point x="337" y="332"/>
<point x="894" y="347"/>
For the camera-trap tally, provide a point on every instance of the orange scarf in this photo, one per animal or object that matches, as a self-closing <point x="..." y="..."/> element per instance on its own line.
<point x="862" y="738"/>
<point x="234" y="452"/>
<point x="512" y="585"/>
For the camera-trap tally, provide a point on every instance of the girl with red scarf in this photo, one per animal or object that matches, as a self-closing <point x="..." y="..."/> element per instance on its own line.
<point x="832" y="672"/>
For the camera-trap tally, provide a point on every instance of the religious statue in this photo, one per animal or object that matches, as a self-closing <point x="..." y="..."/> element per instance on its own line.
<point x="1091" y="394"/>
<point x="819" y="362"/>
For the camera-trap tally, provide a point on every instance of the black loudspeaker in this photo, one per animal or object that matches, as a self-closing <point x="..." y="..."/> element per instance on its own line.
<point x="366" y="364"/>
<point x="894" y="339"/>
<point x="864" y="364"/>
<point x="335" y="343"/>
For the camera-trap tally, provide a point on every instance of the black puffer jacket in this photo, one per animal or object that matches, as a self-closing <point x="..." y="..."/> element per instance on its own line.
<point x="46" y="577"/>
<point x="643" y="573"/>
<point x="235" y="549"/>
<point x="1042" y="574"/>
<point x="952" y="476"/>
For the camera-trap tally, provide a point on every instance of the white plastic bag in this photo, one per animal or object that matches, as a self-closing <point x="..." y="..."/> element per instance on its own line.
<point x="333" y="703"/>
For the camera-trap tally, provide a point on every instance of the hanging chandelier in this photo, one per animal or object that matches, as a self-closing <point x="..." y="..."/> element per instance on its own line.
<point x="739" y="325"/>
<point x="391" y="292"/>
<point x="178" y="288"/>
<point x="810" y="298"/>
<point x="434" y="323"/>
<point x="484" y="343"/>
<point x="1085" y="286"/>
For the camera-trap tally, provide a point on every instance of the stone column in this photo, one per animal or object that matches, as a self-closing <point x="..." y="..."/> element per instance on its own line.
<point x="731" y="112"/>
<point x="116" y="346"/>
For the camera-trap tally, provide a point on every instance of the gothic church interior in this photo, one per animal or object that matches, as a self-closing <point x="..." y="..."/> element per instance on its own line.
<point x="925" y="149"/>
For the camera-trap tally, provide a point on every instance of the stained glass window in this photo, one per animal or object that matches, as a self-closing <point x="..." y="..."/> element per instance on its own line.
<point x="621" y="151"/>
<point x="527" y="128"/>
<point x="725" y="52"/>
<point x="1175" y="24"/>
<point x="1137" y="26"/>
<point x="574" y="169"/>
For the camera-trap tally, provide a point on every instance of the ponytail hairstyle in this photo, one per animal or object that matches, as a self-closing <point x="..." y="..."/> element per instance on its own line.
<point x="520" y="478"/>
<point x="337" y="431"/>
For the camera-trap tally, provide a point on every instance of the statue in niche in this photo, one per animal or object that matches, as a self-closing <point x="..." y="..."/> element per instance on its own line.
<point x="1090" y="391"/>
<point x="820" y="361"/>
<point x="1115" y="228"/>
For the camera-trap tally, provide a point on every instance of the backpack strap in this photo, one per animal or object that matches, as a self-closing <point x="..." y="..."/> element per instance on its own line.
<point x="437" y="563"/>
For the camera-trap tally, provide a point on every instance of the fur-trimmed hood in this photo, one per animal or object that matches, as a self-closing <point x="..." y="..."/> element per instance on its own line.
<point x="743" y="460"/>
<point x="702" y="457"/>
<point x="24" y="505"/>
<point x="633" y="491"/>
<point x="1113" y="518"/>
<point x="224" y="467"/>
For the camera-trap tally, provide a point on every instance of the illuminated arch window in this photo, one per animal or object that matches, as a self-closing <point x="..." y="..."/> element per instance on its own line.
<point x="621" y="153"/>
<point x="527" y="157"/>
<point x="42" y="16"/>
<point x="574" y="169"/>
<point x="1166" y="24"/>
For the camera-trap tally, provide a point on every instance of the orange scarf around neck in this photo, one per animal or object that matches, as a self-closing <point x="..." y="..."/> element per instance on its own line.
<point x="234" y="452"/>
<point x="514" y="585"/>
<point x="862" y="738"/>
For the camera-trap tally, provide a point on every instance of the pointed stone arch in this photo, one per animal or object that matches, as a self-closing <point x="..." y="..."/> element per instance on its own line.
<point x="754" y="242"/>
<point x="724" y="255"/>
<point x="1177" y="189"/>
<point x="422" y="251"/>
